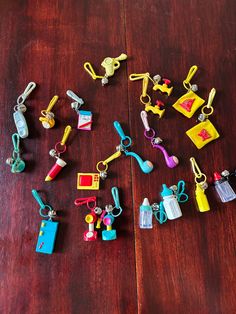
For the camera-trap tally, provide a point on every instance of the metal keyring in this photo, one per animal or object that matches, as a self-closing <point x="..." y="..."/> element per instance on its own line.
<point x="41" y="211"/>
<point x="99" y="163"/>
<point x="143" y="97"/>
<point x="210" y="108"/>
<point x="58" y="150"/>
<point x="196" y="179"/>
<point x="127" y="138"/>
<point x="148" y="136"/>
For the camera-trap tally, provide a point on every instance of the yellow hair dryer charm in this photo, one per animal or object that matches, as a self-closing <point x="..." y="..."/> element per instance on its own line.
<point x="201" y="186"/>
<point x="109" y="64"/>
<point x="47" y="118"/>
<point x="189" y="102"/>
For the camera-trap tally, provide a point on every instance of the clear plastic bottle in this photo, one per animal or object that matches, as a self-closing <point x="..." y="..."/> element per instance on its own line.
<point x="145" y="215"/>
<point x="223" y="188"/>
<point x="170" y="203"/>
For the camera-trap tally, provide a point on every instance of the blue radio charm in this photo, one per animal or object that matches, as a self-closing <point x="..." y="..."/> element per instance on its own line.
<point x="48" y="228"/>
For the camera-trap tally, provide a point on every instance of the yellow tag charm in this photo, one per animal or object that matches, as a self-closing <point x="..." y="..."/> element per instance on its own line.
<point x="204" y="132"/>
<point x="189" y="102"/>
<point x="201" y="186"/>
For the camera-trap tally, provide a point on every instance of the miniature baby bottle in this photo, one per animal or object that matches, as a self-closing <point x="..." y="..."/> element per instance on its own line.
<point x="223" y="188"/>
<point x="145" y="215"/>
<point x="170" y="203"/>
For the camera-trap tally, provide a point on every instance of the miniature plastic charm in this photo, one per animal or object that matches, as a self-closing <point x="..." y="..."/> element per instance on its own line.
<point x="204" y="132"/>
<point x="145" y="98"/>
<point x="107" y="216"/>
<point x="109" y="64"/>
<point x="164" y="87"/>
<point x="223" y="188"/>
<point x="149" y="133"/>
<point x="84" y="117"/>
<point x="88" y="181"/>
<point x="20" y="108"/>
<point x="189" y="102"/>
<point x="47" y="118"/>
<point x="146" y="166"/>
<point x="171" y="201"/>
<point x="59" y="149"/>
<point x="48" y="228"/>
<point x="145" y="215"/>
<point x="201" y="186"/>
<point x="16" y="163"/>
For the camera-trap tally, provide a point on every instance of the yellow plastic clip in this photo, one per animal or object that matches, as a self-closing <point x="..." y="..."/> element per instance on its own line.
<point x="145" y="77"/>
<point x="88" y="67"/>
<point x="209" y="103"/>
<point x="52" y="103"/>
<point x="197" y="172"/>
<point x="112" y="157"/>
<point x="190" y="75"/>
<point x="66" y="134"/>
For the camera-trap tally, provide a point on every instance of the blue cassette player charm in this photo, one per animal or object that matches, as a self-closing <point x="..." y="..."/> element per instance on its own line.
<point x="48" y="228"/>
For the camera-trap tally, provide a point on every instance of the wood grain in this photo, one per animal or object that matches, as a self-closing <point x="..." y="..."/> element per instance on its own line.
<point x="184" y="266"/>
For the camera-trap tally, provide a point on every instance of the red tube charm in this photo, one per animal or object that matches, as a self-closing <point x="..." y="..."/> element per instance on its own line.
<point x="55" y="169"/>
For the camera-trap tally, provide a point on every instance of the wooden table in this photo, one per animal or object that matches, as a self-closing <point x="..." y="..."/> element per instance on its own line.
<point x="184" y="266"/>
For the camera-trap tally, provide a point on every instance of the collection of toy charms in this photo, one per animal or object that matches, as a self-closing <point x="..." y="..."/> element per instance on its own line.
<point x="97" y="214"/>
<point x="169" y="207"/>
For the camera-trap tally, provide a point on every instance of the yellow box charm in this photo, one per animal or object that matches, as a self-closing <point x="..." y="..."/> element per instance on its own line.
<point x="189" y="102"/>
<point x="203" y="133"/>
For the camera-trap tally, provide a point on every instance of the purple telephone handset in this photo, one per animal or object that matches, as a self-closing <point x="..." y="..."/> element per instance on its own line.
<point x="149" y="133"/>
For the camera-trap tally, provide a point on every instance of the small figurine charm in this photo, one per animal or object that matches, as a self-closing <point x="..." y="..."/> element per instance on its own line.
<point x="20" y="108"/>
<point x="189" y="102"/>
<point x="47" y="118"/>
<point x="204" y="132"/>
<point x="48" y="228"/>
<point x="59" y="149"/>
<point x="222" y="186"/>
<point x="84" y="117"/>
<point x="201" y="186"/>
<point x="16" y="163"/>
<point x="149" y="133"/>
<point x="109" y="64"/>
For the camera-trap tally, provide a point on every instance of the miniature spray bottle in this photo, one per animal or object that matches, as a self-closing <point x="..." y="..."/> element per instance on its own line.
<point x="170" y="203"/>
<point x="223" y="188"/>
<point x="145" y="215"/>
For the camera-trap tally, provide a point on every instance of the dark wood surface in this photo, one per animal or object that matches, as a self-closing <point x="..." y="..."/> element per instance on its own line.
<point x="184" y="266"/>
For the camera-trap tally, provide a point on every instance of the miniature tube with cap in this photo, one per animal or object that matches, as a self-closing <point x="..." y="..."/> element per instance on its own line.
<point x="55" y="169"/>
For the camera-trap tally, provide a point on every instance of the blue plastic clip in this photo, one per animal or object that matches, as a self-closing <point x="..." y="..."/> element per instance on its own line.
<point x="115" y="195"/>
<point x="181" y="196"/>
<point x="122" y="135"/>
<point x="160" y="214"/>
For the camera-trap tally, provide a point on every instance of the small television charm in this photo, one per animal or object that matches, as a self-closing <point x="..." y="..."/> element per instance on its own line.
<point x="88" y="181"/>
